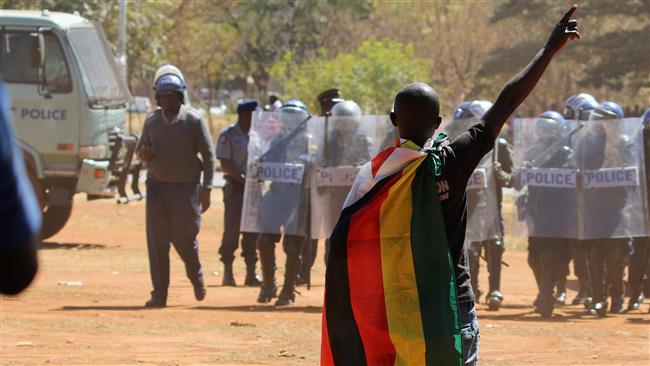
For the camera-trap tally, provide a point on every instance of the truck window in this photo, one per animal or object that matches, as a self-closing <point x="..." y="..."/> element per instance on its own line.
<point x="15" y="66"/>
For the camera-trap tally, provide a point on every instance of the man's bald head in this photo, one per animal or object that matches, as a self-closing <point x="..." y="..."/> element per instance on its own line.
<point x="417" y="112"/>
<point x="417" y="95"/>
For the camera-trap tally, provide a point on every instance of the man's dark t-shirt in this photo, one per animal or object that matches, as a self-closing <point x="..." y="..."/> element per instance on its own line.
<point x="459" y="159"/>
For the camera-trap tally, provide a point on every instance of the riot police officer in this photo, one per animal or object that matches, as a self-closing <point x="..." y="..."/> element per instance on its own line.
<point x="607" y="256"/>
<point x="494" y="247"/>
<point x="549" y="211"/>
<point x="172" y="138"/>
<point x="232" y="152"/>
<point x="327" y="99"/>
<point x="578" y="107"/>
<point x="283" y="207"/>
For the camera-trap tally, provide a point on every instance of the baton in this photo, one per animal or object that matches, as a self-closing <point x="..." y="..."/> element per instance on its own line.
<point x="286" y="138"/>
<point x="547" y="154"/>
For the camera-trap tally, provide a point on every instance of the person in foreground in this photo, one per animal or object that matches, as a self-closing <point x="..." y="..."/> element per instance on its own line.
<point x="20" y="217"/>
<point x="397" y="286"/>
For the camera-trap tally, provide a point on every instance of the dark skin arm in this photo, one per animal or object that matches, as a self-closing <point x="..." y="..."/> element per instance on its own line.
<point x="230" y="169"/>
<point x="518" y="89"/>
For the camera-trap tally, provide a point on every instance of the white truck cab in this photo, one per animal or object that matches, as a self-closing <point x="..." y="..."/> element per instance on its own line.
<point x="69" y="108"/>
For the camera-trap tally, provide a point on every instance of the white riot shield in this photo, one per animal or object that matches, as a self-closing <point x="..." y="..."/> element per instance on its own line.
<point x="545" y="178"/>
<point x="343" y="145"/>
<point x="482" y="205"/>
<point x="611" y="190"/>
<point x="276" y="199"/>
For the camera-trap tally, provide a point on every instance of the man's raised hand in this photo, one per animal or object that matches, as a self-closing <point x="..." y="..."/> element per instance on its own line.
<point x="565" y="30"/>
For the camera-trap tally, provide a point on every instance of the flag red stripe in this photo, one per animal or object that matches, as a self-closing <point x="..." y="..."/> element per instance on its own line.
<point x="379" y="159"/>
<point x="326" y="358"/>
<point x="366" y="280"/>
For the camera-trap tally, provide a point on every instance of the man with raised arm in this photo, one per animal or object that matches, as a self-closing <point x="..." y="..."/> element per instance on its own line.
<point x="397" y="284"/>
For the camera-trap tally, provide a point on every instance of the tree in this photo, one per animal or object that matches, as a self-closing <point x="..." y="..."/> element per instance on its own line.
<point x="371" y="75"/>
<point x="611" y="61"/>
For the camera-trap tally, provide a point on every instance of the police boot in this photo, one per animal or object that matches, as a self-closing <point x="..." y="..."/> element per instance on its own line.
<point x="598" y="309"/>
<point x="635" y="300"/>
<point x="583" y="295"/>
<point x="228" y="277"/>
<point x="292" y="249"/>
<point x="267" y="260"/>
<point x="252" y="279"/>
<point x="494" y="300"/>
<point x="560" y="295"/>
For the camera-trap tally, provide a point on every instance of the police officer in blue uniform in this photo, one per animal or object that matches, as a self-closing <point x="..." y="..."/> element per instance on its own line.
<point x="232" y="152"/>
<point x="607" y="256"/>
<point x="548" y="210"/>
<point x="284" y="206"/>
<point x="172" y="138"/>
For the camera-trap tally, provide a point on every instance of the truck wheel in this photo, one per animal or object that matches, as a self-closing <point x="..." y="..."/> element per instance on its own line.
<point x="54" y="217"/>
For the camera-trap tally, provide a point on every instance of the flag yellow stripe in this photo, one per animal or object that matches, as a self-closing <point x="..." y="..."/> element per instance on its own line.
<point x="398" y="271"/>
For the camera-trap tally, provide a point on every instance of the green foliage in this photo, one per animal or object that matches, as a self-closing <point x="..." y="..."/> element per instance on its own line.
<point x="370" y="75"/>
<point x="613" y="52"/>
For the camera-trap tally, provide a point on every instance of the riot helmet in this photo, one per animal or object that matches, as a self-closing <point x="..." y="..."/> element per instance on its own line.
<point x="169" y="79"/>
<point x="473" y="109"/>
<point x="170" y="84"/>
<point x="549" y="125"/>
<point x="572" y="104"/>
<point x="168" y="69"/>
<point x="462" y="111"/>
<point x="293" y="112"/>
<point x="479" y="107"/>
<point x="614" y="108"/>
<point x="345" y="115"/>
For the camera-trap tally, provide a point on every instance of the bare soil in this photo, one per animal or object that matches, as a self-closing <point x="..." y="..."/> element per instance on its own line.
<point x="85" y="307"/>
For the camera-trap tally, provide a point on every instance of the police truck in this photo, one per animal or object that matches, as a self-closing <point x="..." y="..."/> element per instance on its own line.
<point x="69" y="108"/>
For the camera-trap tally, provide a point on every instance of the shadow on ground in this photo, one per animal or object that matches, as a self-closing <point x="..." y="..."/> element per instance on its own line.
<point x="107" y="308"/>
<point x="75" y="246"/>
<point x="264" y="308"/>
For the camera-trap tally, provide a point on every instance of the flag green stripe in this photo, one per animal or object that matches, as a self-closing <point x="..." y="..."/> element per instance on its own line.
<point x="434" y="272"/>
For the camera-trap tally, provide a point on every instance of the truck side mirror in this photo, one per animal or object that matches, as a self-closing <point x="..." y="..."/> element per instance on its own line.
<point x="37" y="51"/>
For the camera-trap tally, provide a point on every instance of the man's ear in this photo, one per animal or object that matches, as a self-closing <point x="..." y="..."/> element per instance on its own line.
<point x="438" y="122"/>
<point x="393" y="119"/>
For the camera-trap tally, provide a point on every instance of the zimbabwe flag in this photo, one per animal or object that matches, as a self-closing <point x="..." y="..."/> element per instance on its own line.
<point x="390" y="294"/>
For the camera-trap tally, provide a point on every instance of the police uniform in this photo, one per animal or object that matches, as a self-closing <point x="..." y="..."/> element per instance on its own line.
<point x="232" y="145"/>
<point x="283" y="208"/>
<point x="174" y="195"/>
<point x="549" y="211"/>
<point x="494" y="248"/>
<point x="327" y="99"/>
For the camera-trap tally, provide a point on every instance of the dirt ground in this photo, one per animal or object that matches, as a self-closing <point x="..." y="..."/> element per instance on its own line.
<point x="85" y="307"/>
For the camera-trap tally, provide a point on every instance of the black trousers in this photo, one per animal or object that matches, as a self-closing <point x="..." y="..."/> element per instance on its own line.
<point x="292" y="245"/>
<point x="233" y="197"/>
<point x="581" y="265"/>
<point x="640" y="267"/>
<point x="607" y="260"/>
<point x="494" y="254"/>
<point x="545" y="258"/>
<point x="173" y="216"/>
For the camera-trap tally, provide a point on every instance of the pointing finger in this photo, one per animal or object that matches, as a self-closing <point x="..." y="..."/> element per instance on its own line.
<point x="569" y="13"/>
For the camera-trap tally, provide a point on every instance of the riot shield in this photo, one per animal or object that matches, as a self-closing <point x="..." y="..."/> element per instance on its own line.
<point x="276" y="197"/>
<point x="343" y="144"/>
<point x="611" y="188"/>
<point x="545" y="179"/>
<point x="482" y="205"/>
